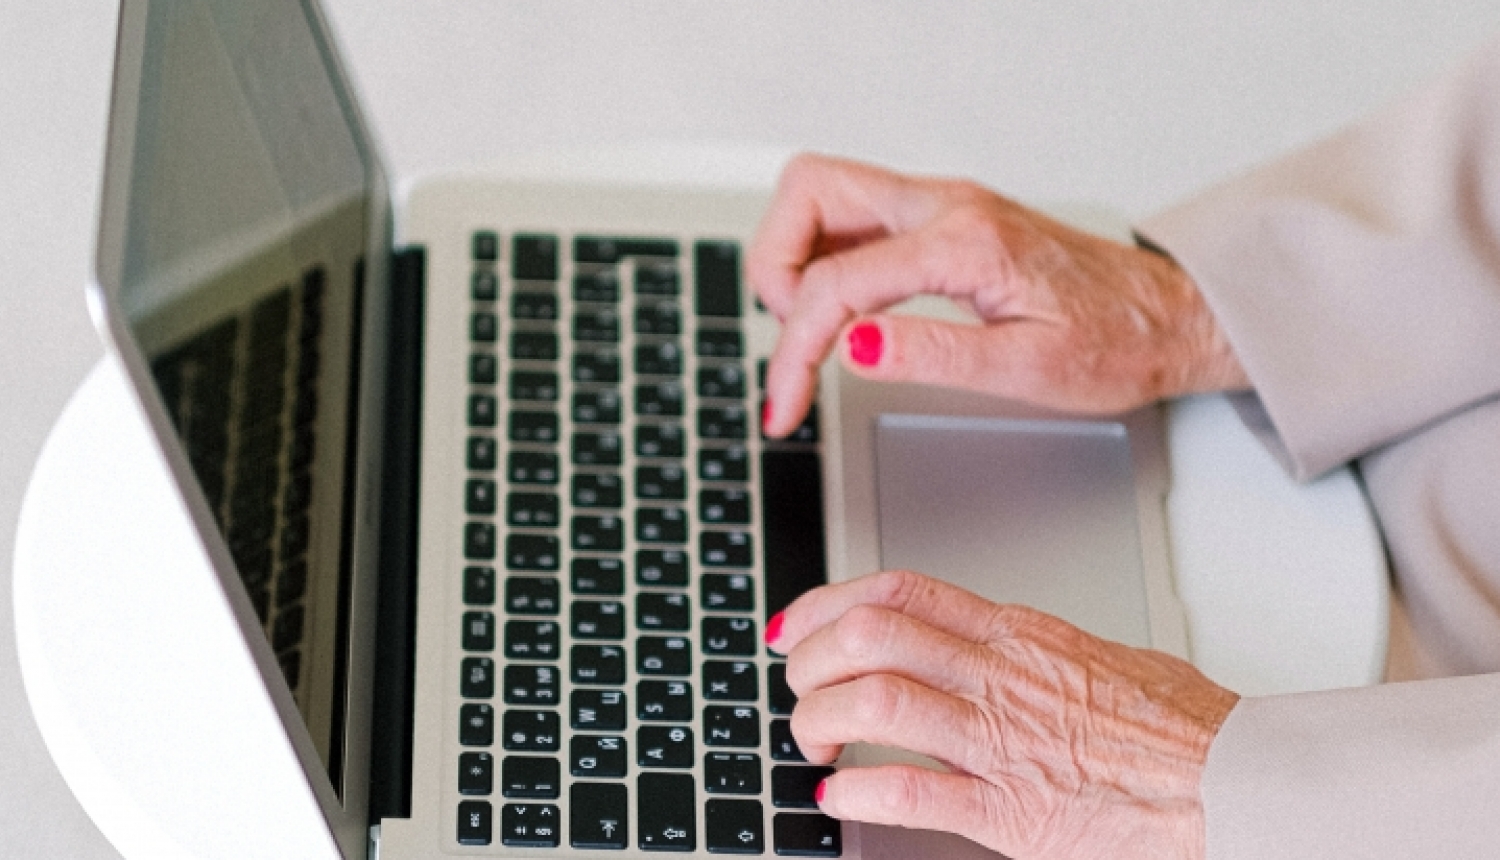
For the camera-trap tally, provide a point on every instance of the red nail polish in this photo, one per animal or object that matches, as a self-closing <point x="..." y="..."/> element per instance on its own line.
<point x="773" y="628"/>
<point x="865" y="344"/>
<point x="765" y="413"/>
<point x="820" y="791"/>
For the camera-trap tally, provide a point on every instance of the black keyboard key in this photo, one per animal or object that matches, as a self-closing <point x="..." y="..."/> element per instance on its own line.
<point x="597" y="710"/>
<point x="598" y="576"/>
<point x="534" y="257"/>
<point x="721" y="381"/>
<point x="486" y="245"/>
<point x="726" y="549"/>
<point x="479" y="541"/>
<point x="484" y="368"/>
<point x="601" y="325"/>
<point x="477" y="678"/>
<point x="596" y="285"/>
<point x="598" y="664"/>
<point x="597" y="756"/>
<point x="661" y="525"/>
<point x="664" y="701"/>
<point x="731" y="773"/>
<point x="656" y="279"/>
<point x="481" y="453"/>
<point x="530" y="467"/>
<point x="613" y="249"/>
<point x="598" y="816"/>
<point x="474" y="822"/>
<point x="727" y="726"/>
<point x="479" y="496"/>
<point x="531" y="731"/>
<point x="664" y="746"/>
<point x="598" y="619"/>
<point x="719" y="343"/>
<point x="667" y="482"/>
<point x="597" y="449"/>
<point x="662" y="610"/>
<point x="727" y="592"/>
<point x="533" y="385"/>
<point x="730" y="681"/>
<point x="734" y="826"/>
<point x="661" y="567"/>
<point x="724" y="464"/>
<point x="531" y="685"/>
<point x="484" y="286"/>
<point x="794" y="787"/>
<point x="596" y="407"/>
<point x="533" y="345"/>
<point x="529" y="426"/>
<point x="667" y="810"/>
<point x="723" y="422"/>
<point x="531" y="509"/>
<point x="530" y="825"/>
<point x="598" y="490"/>
<point x="476" y="725"/>
<point x="659" y="440"/>
<point x="479" y="586"/>
<point x="796" y="835"/>
<point x="717" y="287"/>
<point x="779" y="695"/>
<point x="658" y="359"/>
<point x="476" y="773"/>
<point x="657" y="318"/>
<point x="729" y="637"/>
<point x="530" y="777"/>
<point x="531" y="552"/>
<point x="531" y="595"/>
<point x="792" y="516"/>
<point x="483" y="409"/>
<point x="663" y="655"/>
<point x="597" y="533"/>
<point x="724" y="507"/>
<point x="484" y="327"/>
<point x="479" y="631"/>
<point x="531" y="640"/>
<point x="783" y="745"/>
<point x="659" y="399"/>
<point x="531" y="305"/>
<point x="597" y="366"/>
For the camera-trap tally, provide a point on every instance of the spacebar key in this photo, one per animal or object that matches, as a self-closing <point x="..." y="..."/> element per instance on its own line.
<point x="792" y="511"/>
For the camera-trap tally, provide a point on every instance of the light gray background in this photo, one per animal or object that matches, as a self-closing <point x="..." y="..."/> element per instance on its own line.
<point x="1129" y="105"/>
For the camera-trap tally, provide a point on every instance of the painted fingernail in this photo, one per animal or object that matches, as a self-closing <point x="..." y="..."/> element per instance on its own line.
<point x="765" y="413"/>
<point x="773" y="628"/>
<point x="820" y="791"/>
<point x="865" y="344"/>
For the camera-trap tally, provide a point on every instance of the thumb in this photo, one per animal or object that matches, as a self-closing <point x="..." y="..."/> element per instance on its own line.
<point x="898" y="348"/>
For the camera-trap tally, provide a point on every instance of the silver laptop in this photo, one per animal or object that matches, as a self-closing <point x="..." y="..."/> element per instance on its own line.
<point x="484" y="480"/>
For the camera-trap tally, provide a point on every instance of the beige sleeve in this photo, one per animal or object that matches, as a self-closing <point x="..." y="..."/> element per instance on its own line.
<point x="1359" y="282"/>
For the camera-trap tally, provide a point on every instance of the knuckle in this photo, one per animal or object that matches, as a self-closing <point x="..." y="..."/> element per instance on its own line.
<point x="864" y="630"/>
<point x="879" y="702"/>
<point x="901" y="795"/>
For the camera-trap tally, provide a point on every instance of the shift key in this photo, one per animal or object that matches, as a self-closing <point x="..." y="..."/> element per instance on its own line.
<point x="668" y="812"/>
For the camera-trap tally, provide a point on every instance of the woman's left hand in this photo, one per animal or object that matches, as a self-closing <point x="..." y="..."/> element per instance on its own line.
<point x="1059" y="744"/>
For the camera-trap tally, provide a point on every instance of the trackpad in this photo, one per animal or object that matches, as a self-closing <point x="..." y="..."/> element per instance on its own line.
<point x="1041" y="513"/>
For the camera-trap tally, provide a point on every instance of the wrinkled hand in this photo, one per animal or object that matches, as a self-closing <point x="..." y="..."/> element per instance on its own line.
<point x="1060" y="744"/>
<point x="1065" y="319"/>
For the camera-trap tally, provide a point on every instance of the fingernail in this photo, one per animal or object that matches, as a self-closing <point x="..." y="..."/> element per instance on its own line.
<point x="865" y="344"/>
<point x="773" y="628"/>
<point x="765" y="414"/>
<point x="820" y="791"/>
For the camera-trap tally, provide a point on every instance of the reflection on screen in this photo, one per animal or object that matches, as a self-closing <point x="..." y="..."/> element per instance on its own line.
<point x="242" y="283"/>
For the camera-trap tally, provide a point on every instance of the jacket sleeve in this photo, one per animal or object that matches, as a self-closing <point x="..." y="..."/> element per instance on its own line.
<point x="1359" y="280"/>
<point x="1359" y="283"/>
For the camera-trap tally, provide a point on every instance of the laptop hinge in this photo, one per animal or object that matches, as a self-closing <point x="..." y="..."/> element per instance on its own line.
<point x="391" y="735"/>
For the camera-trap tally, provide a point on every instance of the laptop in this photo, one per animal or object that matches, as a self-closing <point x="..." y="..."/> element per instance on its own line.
<point x="483" y="483"/>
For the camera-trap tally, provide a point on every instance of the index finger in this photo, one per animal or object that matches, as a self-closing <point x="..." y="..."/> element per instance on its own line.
<point x="822" y="201"/>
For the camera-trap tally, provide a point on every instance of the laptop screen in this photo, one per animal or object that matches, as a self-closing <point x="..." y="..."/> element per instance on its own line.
<point x="240" y="275"/>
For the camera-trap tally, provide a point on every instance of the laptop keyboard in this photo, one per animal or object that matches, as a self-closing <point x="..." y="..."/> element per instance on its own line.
<point x="627" y="534"/>
<point x="243" y="396"/>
